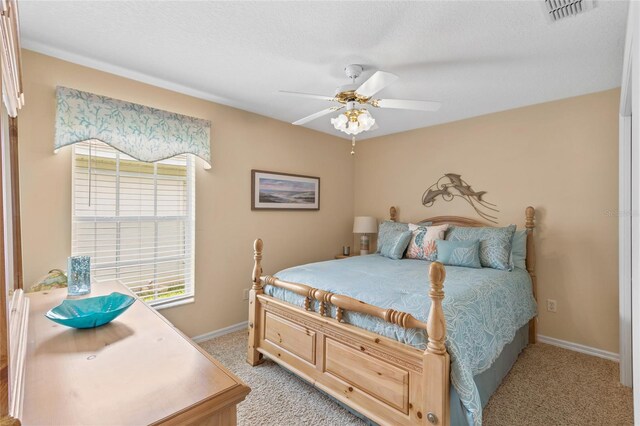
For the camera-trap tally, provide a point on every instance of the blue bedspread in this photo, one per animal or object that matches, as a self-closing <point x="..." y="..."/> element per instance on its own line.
<point x="483" y="308"/>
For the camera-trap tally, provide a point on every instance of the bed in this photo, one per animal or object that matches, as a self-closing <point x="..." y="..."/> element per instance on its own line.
<point x="358" y="330"/>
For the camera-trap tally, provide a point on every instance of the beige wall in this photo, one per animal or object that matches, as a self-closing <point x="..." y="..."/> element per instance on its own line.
<point x="560" y="157"/>
<point x="225" y="224"/>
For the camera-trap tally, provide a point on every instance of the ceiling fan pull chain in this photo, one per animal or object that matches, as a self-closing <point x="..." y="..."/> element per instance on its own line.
<point x="353" y="145"/>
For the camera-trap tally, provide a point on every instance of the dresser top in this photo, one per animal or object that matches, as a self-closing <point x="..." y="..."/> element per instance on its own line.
<point x="138" y="369"/>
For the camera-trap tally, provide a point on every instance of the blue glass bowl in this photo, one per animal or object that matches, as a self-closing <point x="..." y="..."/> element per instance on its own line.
<point x="90" y="312"/>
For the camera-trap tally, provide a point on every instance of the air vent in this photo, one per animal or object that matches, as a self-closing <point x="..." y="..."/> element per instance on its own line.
<point x="560" y="9"/>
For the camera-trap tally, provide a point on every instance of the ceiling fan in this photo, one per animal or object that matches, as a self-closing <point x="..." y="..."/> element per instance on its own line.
<point x="355" y="120"/>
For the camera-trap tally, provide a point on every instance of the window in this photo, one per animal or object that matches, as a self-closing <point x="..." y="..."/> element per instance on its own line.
<point x="135" y="220"/>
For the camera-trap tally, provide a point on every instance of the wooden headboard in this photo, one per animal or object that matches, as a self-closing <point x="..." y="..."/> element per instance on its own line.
<point x="529" y="225"/>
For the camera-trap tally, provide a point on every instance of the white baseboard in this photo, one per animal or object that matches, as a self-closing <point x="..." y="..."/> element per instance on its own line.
<point x="217" y="333"/>
<point x="579" y="348"/>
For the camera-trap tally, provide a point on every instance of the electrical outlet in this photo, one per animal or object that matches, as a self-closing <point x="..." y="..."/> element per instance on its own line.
<point x="245" y="294"/>
<point x="552" y="305"/>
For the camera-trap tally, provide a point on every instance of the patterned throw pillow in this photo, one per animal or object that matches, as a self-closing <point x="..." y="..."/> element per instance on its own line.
<point x="459" y="253"/>
<point x="387" y="229"/>
<point x="396" y="244"/>
<point x="423" y="241"/>
<point x="495" y="244"/>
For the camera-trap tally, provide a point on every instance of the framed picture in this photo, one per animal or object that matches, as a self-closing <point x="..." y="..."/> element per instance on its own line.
<point x="284" y="191"/>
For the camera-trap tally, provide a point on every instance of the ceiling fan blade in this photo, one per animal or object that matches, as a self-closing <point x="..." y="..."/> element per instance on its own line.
<point x="376" y="83"/>
<point x="308" y="95"/>
<point x="317" y="115"/>
<point x="407" y="104"/>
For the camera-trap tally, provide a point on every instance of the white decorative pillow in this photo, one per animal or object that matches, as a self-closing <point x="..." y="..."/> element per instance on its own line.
<point x="423" y="241"/>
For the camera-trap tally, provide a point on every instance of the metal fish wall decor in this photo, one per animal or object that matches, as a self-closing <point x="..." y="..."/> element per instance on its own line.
<point x="451" y="186"/>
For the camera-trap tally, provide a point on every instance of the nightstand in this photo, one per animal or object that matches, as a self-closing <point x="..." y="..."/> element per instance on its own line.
<point x="342" y="256"/>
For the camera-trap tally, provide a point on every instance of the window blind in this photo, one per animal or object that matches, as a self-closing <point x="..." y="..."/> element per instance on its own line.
<point x="135" y="220"/>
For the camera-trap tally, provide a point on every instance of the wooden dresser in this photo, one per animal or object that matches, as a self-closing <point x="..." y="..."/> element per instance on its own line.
<point x="137" y="370"/>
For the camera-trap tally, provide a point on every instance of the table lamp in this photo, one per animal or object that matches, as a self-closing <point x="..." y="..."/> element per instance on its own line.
<point x="365" y="225"/>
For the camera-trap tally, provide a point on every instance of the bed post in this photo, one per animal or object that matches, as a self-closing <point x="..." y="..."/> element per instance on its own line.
<point x="393" y="214"/>
<point x="436" y="362"/>
<point x="530" y="213"/>
<point x="253" y="356"/>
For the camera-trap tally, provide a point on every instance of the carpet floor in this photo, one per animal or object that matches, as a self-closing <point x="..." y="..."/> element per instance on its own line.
<point x="547" y="385"/>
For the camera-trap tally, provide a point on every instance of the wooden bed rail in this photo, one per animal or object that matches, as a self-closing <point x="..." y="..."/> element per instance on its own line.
<point x="346" y="303"/>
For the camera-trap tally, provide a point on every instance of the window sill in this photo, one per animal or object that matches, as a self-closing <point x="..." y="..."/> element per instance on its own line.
<point x="160" y="306"/>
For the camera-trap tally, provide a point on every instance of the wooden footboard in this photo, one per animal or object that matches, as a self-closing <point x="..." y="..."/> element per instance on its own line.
<point x="387" y="381"/>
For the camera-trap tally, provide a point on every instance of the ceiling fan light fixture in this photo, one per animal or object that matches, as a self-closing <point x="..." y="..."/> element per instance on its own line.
<point x="340" y="121"/>
<point x="350" y="96"/>
<point x="366" y="120"/>
<point x="354" y="121"/>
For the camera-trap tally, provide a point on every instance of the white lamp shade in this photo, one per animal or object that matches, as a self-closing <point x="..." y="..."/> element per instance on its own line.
<point x="365" y="225"/>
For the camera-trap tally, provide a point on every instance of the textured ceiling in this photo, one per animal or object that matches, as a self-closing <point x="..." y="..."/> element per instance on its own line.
<point x="474" y="57"/>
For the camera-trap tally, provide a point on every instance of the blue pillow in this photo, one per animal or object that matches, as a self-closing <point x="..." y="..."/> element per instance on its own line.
<point x="395" y="244"/>
<point x="459" y="253"/>
<point x="386" y="229"/>
<point x="519" y="249"/>
<point x="495" y="244"/>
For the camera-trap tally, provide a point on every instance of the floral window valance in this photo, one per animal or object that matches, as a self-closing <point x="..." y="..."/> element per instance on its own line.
<point x="144" y="133"/>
